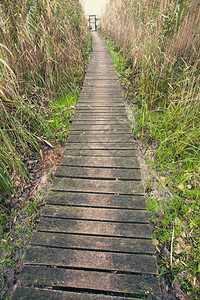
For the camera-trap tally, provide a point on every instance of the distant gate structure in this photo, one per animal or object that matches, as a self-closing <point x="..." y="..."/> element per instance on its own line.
<point x="93" y="22"/>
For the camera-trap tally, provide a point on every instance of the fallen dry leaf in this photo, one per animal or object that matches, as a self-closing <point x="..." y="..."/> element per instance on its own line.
<point x="180" y="186"/>
<point x="187" y="247"/>
<point x="155" y="242"/>
<point x="178" y="249"/>
<point x="179" y="239"/>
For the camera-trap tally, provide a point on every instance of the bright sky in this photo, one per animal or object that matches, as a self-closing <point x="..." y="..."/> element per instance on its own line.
<point x="94" y="7"/>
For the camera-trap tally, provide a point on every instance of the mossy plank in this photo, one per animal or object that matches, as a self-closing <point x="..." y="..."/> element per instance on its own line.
<point x="98" y="186"/>
<point x="104" y="119"/>
<point x="101" y="139"/>
<point x="99" y="132"/>
<point x="94" y="122"/>
<point x="110" y="100"/>
<point x="98" y="173"/>
<point x="101" y="126"/>
<point x="99" y="104"/>
<point x="101" y="153"/>
<point x="99" y="114"/>
<point x="101" y="86"/>
<point x="94" y="94"/>
<point x="101" y="145"/>
<point x="96" y="200"/>
<point x="104" y="161"/>
<point x="96" y="214"/>
<point x="91" y="77"/>
<point x="113" y="229"/>
<point x="28" y="293"/>
<point x="96" y="260"/>
<point x="101" y="109"/>
<point x="78" y="279"/>
<point x="123" y="245"/>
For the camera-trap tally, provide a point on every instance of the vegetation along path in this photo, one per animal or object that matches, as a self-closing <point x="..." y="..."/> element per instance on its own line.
<point x="94" y="239"/>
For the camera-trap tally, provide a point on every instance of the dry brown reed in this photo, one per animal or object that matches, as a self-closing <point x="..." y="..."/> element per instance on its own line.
<point x="161" y="39"/>
<point x="41" y="56"/>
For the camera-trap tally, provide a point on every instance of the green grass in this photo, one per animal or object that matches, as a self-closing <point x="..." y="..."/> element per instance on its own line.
<point x="172" y="183"/>
<point x="60" y="113"/>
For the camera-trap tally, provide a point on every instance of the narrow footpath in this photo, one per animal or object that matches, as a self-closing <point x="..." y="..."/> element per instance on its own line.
<point x="94" y="239"/>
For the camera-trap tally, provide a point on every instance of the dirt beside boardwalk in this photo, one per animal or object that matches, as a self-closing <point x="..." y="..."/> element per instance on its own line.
<point x="24" y="215"/>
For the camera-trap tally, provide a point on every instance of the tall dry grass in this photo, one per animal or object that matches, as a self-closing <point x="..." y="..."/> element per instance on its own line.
<point x="42" y="55"/>
<point x="160" y="42"/>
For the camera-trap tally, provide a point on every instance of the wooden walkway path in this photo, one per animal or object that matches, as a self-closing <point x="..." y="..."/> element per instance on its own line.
<point x="94" y="239"/>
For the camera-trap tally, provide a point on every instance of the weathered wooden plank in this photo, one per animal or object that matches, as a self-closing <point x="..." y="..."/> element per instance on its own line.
<point x="99" y="111"/>
<point x="104" y="118"/>
<point x="96" y="214"/>
<point x="78" y="279"/>
<point x="101" y="145"/>
<point x="101" y="139"/>
<point x="113" y="229"/>
<point x="27" y="293"/>
<point x="90" y="76"/>
<point x="101" y="76"/>
<point x="102" y="68"/>
<point x="123" y="245"/>
<point x="102" y="107"/>
<point x="103" y="84"/>
<point x="101" y="152"/>
<point x="99" y="132"/>
<point x="93" y="77"/>
<point x="108" y="162"/>
<point x="104" y="115"/>
<point x="117" y="122"/>
<point x="96" y="260"/>
<point x="101" y="98"/>
<point x="84" y="104"/>
<point x="98" y="186"/>
<point x="101" y="72"/>
<point x="95" y="94"/>
<point x="101" y="101"/>
<point x="103" y="90"/>
<point x="108" y="98"/>
<point x="98" y="173"/>
<point x="96" y="200"/>
<point x="113" y="104"/>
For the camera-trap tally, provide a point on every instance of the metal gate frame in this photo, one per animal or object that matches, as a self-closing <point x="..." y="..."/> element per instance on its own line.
<point x="93" y="20"/>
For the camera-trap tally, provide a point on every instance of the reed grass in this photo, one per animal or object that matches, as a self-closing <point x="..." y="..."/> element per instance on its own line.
<point x="160" y="43"/>
<point x="43" y="53"/>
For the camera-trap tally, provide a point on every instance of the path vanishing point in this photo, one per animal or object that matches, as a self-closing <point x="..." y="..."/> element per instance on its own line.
<point x="94" y="239"/>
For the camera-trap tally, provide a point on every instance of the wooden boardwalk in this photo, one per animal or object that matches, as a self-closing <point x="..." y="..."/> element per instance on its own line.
<point x="94" y="239"/>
